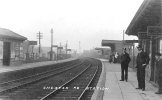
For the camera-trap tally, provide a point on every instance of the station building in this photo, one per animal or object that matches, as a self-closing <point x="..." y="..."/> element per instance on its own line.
<point x="147" y="26"/>
<point x="115" y="45"/>
<point x="10" y="46"/>
<point x="118" y="45"/>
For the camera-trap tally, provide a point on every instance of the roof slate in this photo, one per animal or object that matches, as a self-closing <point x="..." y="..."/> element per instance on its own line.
<point x="149" y="14"/>
<point x="5" y="33"/>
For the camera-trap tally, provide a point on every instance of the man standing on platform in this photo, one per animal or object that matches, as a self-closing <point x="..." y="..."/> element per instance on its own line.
<point x="159" y="72"/>
<point x="142" y="61"/>
<point x="125" y="59"/>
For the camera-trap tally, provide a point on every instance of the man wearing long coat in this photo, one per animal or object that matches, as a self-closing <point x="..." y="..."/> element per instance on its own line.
<point x="125" y="59"/>
<point x="159" y="72"/>
<point x="142" y="61"/>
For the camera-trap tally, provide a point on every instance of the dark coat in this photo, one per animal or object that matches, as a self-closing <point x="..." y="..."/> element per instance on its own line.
<point x="159" y="74"/>
<point x="125" y="58"/>
<point x="142" y="58"/>
<point x="159" y="67"/>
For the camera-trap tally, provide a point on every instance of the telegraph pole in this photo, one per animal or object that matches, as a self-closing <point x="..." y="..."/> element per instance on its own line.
<point x="60" y="51"/>
<point x="51" y="54"/>
<point x="60" y="46"/>
<point x="79" y="46"/>
<point x="123" y="37"/>
<point x="39" y="38"/>
<point x="66" y="48"/>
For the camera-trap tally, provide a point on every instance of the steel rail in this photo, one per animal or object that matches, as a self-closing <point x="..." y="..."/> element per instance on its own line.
<point x="41" y="73"/>
<point x="88" y="84"/>
<point x="14" y="87"/>
<point x="48" y="95"/>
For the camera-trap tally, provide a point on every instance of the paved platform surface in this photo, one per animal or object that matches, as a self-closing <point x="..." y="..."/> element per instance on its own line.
<point x="30" y="65"/>
<point x="121" y="90"/>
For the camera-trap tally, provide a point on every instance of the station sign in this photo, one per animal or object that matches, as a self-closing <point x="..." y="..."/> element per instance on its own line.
<point x="60" y="47"/>
<point x="143" y="36"/>
<point x="154" y="30"/>
<point x="98" y="48"/>
<point x="55" y="46"/>
<point x="130" y="41"/>
<point x="68" y="49"/>
<point x="32" y="42"/>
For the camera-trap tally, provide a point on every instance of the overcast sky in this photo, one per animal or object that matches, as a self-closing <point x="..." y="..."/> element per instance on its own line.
<point x="87" y="21"/>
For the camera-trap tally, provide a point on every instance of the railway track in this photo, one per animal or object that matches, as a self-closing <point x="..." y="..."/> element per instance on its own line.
<point x="35" y="75"/>
<point x="76" y="86"/>
<point x="19" y="74"/>
<point x="93" y="85"/>
<point x="48" y="87"/>
<point x="10" y="85"/>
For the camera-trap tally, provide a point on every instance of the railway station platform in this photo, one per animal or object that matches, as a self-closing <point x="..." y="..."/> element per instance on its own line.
<point x="30" y="65"/>
<point x="122" y="90"/>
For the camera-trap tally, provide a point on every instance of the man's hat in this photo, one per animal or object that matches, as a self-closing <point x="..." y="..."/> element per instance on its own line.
<point x="139" y="47"/>
<point x="158" y="54"/>
<point x="125" y="49"/>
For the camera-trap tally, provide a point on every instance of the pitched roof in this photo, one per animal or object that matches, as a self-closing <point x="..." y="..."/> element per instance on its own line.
<point x="5" y="33"/>
<point x="149" y="14"/>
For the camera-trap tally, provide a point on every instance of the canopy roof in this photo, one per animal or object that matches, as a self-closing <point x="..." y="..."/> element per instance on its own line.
<point x="10" y="35"/>
<point x="149" y="14"/>
<point x="100" y="48"/>
<point x="111" y="43"/>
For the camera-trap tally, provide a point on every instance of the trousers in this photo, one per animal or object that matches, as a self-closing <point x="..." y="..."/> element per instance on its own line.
<point x="124" y="71"/>
<point x="160" y="82"/>
<point x="141" y="77"/>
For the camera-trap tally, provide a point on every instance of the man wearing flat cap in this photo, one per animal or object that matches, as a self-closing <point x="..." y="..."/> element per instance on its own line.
<point x="159" y="72"/>
<point x="125" y="59"/>
<point x="142" y="61"/>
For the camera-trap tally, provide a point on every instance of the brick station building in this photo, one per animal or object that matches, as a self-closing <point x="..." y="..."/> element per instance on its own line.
<point x="10" y="46"/>
<point x="147" y="26"/>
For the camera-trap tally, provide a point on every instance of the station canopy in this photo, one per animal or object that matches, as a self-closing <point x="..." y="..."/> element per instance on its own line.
<point x="10" y="36"/>
<point x="101" y="48"/>
<point x="111" y="43"/>
<point x="149" y="14"/>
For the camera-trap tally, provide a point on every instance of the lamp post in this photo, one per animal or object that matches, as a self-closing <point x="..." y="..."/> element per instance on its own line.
<point x="51" y="53"/>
